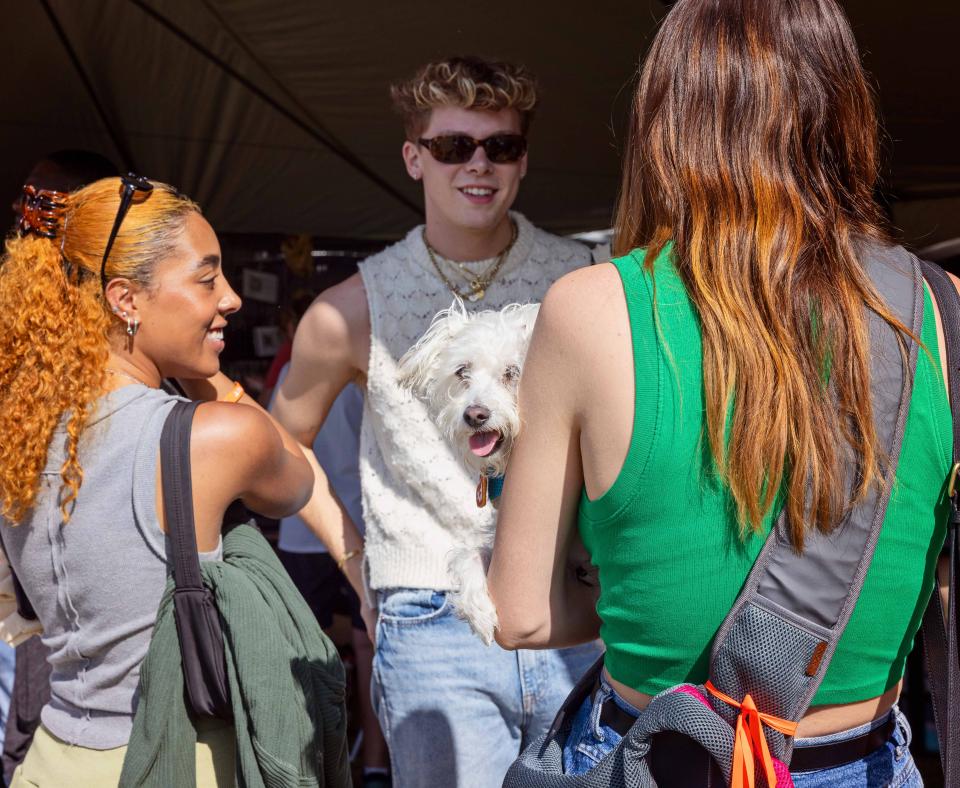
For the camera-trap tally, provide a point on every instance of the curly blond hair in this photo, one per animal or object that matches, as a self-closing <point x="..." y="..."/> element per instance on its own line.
<point x="55" y="328"/>
<point x="467" y="82"/>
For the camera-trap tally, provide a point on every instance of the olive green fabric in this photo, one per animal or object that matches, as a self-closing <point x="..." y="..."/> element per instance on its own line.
<point x="665" y="536"/>
<point x="286" y="683"/>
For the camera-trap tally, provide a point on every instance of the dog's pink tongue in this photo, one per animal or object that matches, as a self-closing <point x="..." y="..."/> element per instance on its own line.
<point x="482" y="443"/>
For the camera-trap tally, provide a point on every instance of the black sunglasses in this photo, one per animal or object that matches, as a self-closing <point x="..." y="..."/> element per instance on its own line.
<point x="131" y="183"/>
<point x="459" y="148"/>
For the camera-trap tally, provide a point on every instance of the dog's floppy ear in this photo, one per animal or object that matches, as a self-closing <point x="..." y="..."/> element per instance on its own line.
<point x="417" y="368"/>
<point x="528" y="317"/>
<point x="521" y="318"/>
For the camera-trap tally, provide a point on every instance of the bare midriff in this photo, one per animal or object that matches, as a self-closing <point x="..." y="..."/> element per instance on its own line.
<point x="818" y="721"/>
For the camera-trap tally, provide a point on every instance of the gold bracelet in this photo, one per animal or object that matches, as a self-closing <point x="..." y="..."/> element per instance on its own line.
<point x="235" y="395"/>
<point x="342" y="561"/>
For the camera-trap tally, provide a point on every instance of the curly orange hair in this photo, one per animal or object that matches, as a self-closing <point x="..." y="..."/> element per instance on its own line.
<point x="56" y="328"/>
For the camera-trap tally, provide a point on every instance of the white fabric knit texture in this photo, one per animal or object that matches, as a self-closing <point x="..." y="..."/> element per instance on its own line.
<point x="416" y="495"/>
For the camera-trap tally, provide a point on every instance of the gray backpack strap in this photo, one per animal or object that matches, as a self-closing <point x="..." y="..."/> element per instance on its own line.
<point x="778" y="639"/>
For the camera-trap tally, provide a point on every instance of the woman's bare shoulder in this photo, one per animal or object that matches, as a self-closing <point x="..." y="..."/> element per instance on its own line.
<point x="227" y="434"/>
<point x="583" y="304"/>
<point x="599" y="276"/>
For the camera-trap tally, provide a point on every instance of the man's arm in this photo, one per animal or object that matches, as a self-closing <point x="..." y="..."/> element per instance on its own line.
<point x="330" y="349"/>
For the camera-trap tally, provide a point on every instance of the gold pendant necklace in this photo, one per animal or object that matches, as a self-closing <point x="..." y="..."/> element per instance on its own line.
<point x="476" y="280"/>
<point x="480" y="282"/>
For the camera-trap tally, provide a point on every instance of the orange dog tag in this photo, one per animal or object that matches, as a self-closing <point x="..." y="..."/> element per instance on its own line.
<point x="482" y="492"/>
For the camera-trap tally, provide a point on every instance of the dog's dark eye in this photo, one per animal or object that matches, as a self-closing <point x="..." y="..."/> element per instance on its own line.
<point x="511" y="374"/>
<point x="462" y="371"/>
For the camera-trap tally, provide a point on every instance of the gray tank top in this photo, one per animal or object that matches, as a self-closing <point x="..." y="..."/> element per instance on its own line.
<point x="96" y="581"/>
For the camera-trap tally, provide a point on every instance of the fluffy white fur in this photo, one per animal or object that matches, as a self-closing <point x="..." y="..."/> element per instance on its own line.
<point x="465" y="366"/>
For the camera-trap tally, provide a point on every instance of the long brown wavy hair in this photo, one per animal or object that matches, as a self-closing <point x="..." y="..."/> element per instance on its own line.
<point x="56" y="327"/>
<point x="753" y="148"/>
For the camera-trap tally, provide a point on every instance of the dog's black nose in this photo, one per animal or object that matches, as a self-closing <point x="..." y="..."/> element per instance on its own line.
<point x="476" y="416"/>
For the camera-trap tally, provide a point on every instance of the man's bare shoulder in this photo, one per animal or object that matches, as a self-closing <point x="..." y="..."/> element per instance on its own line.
<point x="349" y="298"/>
<point x="337" y="324"/>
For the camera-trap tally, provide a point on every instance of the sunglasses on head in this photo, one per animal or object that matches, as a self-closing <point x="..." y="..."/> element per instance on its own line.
<point x="130" y="184"/>
<point x="459" y="148"/>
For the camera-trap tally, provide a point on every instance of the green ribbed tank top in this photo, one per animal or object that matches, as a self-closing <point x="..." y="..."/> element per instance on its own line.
<point x="665" y="537"/>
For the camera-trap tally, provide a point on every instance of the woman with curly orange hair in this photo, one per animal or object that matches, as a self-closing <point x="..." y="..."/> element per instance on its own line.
<point x="103" y="293"/>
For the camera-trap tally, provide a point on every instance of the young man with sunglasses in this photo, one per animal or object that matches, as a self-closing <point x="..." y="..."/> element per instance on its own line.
<point x="454" y="712"/>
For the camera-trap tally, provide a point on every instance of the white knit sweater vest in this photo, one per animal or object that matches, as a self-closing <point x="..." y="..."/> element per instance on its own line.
<point x="416" y="495"/>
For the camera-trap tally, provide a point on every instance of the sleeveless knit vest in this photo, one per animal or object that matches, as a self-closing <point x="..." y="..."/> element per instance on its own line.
<point x="416" y="495"/>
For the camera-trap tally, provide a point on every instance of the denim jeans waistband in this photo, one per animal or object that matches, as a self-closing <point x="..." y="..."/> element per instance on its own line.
<point x="610" y="692"/>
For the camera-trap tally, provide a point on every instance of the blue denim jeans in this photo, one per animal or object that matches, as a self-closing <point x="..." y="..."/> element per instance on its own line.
<point x="7" y="668"/>
<point x="590" y="740"/>
<point x="456" y="713"/>
<point x="890" y="766"/>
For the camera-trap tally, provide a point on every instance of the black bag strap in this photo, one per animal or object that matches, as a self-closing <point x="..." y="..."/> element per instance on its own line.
<point x="199" y="627"/>
<point x="178" y="495"/>
<point x="939" y="640"/>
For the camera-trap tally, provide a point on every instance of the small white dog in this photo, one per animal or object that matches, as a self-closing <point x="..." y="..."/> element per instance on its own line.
<point x="466" y="368"/>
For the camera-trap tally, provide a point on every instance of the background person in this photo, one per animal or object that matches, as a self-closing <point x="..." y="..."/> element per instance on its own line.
<point x="288" y="319"/>
<point x="64" y="171"/>
<point x="453" y="711"/>
<point x="668" y="395"/>
<point x="89" y="325"/>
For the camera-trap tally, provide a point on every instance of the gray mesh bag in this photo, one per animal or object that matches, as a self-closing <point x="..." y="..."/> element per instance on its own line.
<point x="777" y="641"/>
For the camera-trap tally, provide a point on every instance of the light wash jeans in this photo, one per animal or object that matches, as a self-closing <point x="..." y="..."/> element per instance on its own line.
<point x="890" y="766"/>
<point x="456" y="713"/>
<point x="8" y="663"/>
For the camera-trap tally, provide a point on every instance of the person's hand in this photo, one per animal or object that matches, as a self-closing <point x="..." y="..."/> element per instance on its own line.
<point x="369" y="616"/>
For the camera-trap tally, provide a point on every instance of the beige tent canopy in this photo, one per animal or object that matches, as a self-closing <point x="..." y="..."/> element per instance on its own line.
<point x="274" y="115"/>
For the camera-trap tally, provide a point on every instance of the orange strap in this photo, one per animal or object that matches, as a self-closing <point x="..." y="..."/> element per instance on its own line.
<point x="749" y="740"/>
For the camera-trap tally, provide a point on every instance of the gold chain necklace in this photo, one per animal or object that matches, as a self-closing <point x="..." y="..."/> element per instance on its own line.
<point x="472" y="278"/>
<point x="479" y="282"/>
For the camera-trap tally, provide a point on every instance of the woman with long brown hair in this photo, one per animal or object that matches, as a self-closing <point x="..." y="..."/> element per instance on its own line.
<point x="103" y="293"/>
<point x="677" y="399"/>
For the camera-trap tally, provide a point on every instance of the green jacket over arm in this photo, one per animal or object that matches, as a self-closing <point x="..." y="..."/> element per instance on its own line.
<point x="286" y="682"/>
